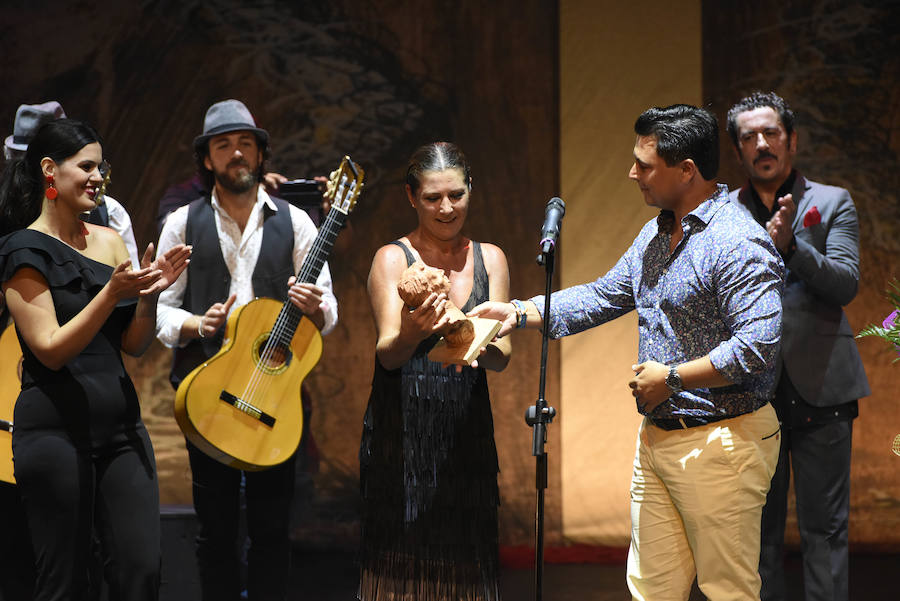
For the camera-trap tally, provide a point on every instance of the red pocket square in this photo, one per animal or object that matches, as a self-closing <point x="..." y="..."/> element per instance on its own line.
<point x="812" y="217"/>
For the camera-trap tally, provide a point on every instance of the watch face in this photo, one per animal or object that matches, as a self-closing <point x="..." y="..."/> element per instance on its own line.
<point x="673" y="380"/>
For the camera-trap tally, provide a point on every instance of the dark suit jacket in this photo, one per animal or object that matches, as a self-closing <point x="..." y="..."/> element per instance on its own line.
<point x="817" y="344"/>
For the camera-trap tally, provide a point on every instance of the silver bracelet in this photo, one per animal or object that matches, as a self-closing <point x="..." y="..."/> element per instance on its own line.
<point x="200" y="328"/>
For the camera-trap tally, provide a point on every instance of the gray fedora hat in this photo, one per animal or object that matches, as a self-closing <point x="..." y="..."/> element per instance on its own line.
<point x="29" y="119"/>
<point x="228" y="116"/>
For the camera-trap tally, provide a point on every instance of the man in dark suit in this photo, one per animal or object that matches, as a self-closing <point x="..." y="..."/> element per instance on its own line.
<point x="815" y="228"/>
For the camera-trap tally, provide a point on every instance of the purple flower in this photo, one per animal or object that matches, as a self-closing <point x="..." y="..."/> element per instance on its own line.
<point x="889" y="322"/>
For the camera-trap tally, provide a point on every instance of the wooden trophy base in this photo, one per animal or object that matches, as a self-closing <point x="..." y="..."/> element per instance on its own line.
<point x="485" y="330"/>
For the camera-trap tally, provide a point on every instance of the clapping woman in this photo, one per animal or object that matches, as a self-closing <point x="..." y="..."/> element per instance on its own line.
<point x="83" y="459"/>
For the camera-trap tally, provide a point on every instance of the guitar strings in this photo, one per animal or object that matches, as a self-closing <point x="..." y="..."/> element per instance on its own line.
<point x="287" y="321"/>
<point x="288" y="318"/>
<point x="289" y="313"/>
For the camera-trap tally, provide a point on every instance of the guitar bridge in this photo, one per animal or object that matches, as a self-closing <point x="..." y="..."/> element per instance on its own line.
<point x="247" y="408"/>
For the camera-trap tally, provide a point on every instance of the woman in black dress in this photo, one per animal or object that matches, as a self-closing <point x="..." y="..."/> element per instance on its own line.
<point x="82" y="458"/>
<point x="428" y="463"/>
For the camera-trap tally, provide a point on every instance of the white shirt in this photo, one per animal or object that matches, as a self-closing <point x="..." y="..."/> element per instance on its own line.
<point x="240" y="251"/>
<point x="121" y="222"/>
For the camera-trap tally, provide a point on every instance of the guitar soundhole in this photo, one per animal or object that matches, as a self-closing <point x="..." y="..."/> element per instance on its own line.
<point x="272" y="356"/>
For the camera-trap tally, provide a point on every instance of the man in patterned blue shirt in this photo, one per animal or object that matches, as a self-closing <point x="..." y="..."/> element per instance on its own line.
<point x="706" y="282"/>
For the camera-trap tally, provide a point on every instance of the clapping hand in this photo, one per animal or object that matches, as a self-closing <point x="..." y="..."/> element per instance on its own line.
<point x="153" y="277"/>
<point x="169" y="266"/>
<point x="215" y="316"/>
<point x="779" y="226"/>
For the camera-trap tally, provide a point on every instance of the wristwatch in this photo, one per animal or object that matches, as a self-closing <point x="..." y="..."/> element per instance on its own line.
<point x="673" y="380"/>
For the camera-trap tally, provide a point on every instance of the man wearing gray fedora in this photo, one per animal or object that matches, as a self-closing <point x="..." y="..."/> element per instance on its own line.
<point x="246" y="244"/>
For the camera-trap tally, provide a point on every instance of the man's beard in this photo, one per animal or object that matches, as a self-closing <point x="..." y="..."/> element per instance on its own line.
<point x="241" y="182"/>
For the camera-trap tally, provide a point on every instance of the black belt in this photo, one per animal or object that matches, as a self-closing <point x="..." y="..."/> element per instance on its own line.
<point x="682" y="423"/>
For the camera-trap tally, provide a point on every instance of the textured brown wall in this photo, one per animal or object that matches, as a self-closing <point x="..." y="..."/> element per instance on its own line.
<point x="837" y="64"/>
<point x="374" y="79"/>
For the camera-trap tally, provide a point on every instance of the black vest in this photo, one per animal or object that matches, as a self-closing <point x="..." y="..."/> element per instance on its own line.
<point x="98" y="216"/>
<point x="209" y="279"/>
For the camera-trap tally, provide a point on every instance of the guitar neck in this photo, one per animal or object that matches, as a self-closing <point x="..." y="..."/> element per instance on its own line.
<point x="290" y="315"/>
<point x="321" y="247"/>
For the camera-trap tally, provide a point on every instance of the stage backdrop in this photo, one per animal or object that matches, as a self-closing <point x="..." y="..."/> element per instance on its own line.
<point x="838" y="64"/>
<point x="374" y="79"/>
<point x="611" y="70"/>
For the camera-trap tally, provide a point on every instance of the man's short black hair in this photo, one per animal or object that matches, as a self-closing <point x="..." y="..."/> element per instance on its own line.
<point x="683" y="132"/>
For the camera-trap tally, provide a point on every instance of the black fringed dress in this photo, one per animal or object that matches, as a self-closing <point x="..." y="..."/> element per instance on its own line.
<point x="428" y="478"/>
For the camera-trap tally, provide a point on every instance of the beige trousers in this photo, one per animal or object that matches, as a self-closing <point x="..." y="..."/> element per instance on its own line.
<point x="696" y="501"/>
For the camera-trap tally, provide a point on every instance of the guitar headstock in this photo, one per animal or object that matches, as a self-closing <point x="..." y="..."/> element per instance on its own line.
<point x="344" y="185"/>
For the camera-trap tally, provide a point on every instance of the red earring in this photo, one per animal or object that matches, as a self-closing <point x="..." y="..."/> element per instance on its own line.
<point x="51" y="192"/>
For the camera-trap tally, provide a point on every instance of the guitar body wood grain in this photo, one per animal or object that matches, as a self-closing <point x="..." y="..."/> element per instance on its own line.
<point x="260" y="426"/>
<point x="11" y="377"/>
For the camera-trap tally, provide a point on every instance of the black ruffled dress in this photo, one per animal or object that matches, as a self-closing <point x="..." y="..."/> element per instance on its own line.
<point x="83" y="459"/>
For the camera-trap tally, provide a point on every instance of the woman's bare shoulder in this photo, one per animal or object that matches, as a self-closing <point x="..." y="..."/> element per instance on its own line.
<point x="106" y="245"/>
<point x="388" y="263"/>
<point x="493" y="255"/>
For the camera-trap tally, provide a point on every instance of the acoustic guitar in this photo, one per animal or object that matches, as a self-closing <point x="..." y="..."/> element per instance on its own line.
<point x="242" y="407"/>
<point x="11" y="377"/>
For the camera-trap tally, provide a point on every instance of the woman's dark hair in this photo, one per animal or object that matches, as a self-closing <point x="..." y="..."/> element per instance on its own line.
<point x="22" y="181"/>
<point x="683" y="132"/>
<point x="436" y="156"/>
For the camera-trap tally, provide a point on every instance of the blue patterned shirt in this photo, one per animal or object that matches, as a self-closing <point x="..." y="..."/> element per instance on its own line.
<point x="718" y="294"/>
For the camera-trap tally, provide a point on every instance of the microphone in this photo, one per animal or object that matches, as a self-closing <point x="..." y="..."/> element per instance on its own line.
<point x="553" y="215"/>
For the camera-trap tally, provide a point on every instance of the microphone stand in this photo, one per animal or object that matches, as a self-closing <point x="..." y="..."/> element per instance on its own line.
<point x="539" y="416"/>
